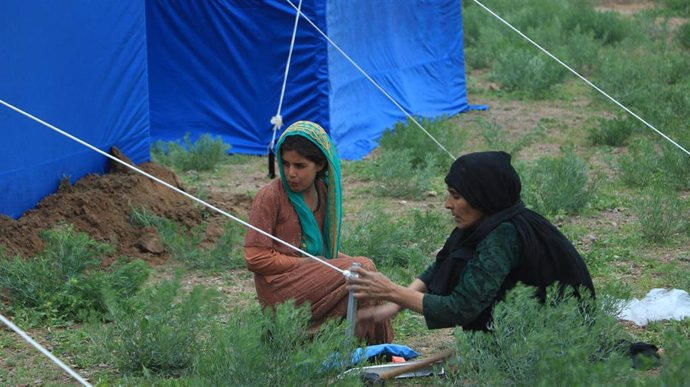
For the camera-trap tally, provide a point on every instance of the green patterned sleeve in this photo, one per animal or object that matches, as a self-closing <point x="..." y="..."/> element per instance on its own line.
<point x="495" y="257"/>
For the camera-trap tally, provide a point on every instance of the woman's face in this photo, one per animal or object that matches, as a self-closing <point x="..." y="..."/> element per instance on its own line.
<point x="464" y="214"/>
<point x="300" y="172"/>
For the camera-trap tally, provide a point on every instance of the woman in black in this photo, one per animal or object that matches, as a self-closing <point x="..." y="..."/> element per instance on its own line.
<point x="497" y="243"/>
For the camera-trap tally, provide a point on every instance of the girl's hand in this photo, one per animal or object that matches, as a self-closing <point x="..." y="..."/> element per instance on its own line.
<point x="378" y="313"/>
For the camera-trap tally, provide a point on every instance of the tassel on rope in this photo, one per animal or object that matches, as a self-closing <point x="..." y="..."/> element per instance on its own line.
<point x="271" y="163"/>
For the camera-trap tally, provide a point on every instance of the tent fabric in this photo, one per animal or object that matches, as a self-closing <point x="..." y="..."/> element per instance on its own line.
<point x="412" y="49"/>
<point x="80" y="66"/>
<point x="129" y="72"/>
<point x="217" y="67"/>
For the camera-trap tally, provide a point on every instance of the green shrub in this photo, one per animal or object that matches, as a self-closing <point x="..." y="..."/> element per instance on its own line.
<point x="63" y="284"/>
<point x="638" y="167"/>
<point x="267" y="348"/>
<point x="527" y="72"/>
<point x="606" y="27"/>
<point x="682" y="7"/>
<point x="555" y="185"/>
<point x="674" y="166"/>
<point x="226" y="254"/>
<point x="395" y="175"/>
<point x="422" y="149"/>
<point x="394" y="241"/>
<point x="202" y="155"/>
<point x="613" y="132"/>
<point x="683" y="36"/>
<point x="661" y="215"/>
<point x="495" y="137"/>
<point x="160" y="330"/>
<point x="535" y="344"/>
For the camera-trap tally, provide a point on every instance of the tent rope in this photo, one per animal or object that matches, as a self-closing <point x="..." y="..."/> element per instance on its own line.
<point x="583" y="78"/>
<point x="38" y="346"/>
<point x="277" y="120"/>
<point x="346" y="273"/>
<point x="409" y="116"/>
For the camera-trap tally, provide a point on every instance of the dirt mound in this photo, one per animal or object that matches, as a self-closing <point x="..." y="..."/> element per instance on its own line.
<point x="100" y="206"/>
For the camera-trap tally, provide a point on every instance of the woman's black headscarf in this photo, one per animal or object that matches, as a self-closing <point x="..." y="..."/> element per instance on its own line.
<point x="489" y="183"/>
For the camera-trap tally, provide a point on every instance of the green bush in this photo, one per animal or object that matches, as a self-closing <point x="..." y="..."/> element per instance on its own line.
<point x="639" y="166"/>
<point x="226" y="254"/>
<point x="535" y="344"/>
<point x="495" y="138"/>
<point x="160" y="330"/>
<point x="395" y="241"/>
<point x="674" y="166"/>
<point x="555" y="185"/>
<point x="527" y="72"/>
<point x="613" y="132"/>
<point x="422" y="151"/>
<point x="681" y="7"/>
<point x="395" y="175"/>
<point x="274" y="348"/>
<point x="202" y="155"/>
<point x="683" y="36"/>
<point x="63" y="284"/>
<point x="661" y="215"/>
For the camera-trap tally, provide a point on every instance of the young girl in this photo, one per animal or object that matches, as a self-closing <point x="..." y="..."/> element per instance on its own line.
<point x="303" y="208"/>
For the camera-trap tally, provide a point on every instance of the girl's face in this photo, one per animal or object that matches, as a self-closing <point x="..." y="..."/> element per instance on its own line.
<point x="464" y="214"/>
<point x="300" y="172"/>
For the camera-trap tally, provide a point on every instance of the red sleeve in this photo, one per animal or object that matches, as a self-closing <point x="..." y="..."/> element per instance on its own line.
<point x="260" y="254"/>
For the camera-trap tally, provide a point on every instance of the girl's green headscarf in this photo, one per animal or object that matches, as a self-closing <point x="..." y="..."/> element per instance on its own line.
<point x="315" y="243"/>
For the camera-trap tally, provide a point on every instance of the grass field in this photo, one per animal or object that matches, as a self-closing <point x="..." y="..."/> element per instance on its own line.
<point x="616" y="188"/>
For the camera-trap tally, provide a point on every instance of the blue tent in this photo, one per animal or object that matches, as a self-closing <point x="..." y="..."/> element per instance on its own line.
<point x="125" y="73"/>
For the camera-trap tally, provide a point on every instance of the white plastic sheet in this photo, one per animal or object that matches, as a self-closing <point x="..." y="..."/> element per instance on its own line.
<point x="658" y="304"/>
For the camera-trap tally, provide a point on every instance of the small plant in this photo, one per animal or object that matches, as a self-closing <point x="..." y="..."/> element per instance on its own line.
<point x="683" y="36"/>
<point x="202" y="155"/>
<point x="421" y="152"/>
<point x="63" y="284"/>
<point x="396" y="176"/>
<point x="495" y="138"/>
<point x="573" y="342"/>
<point x="160" y="330"/>
<point x="526" y="72"/>
<point x="638" y="167"/>
<point x="395" y="242"/>
<point x="274" y="347"/>
<point x="558" y="185"/>
<point x="225" y="254"/>
<point x="614" y="132"/>
<point x="661" y="215"/>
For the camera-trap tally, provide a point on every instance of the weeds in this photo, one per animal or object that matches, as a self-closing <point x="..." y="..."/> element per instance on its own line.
<point x="62" y="283"/>
<point x="536" y="344"/>
<point x="613" y="132"/>
<point x="159" y="331"/>
<point x="202" y="155"/>
<point x="411" y="143"/>
<point x="495" y="138"/>
<point x="270" y="348"/>
<point x="569" y="173"/>
<point x="185" y="245"/>
<point x="661" y="215"/>
<point x="396" y="241"/>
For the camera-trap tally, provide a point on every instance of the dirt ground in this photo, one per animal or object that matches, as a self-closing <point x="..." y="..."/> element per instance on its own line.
<point x="100" y="206"/>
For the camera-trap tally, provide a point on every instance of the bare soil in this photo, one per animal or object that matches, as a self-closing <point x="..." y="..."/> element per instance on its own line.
<point x="101" y="205"/>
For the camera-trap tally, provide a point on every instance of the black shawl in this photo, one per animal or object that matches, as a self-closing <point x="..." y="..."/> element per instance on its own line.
<point x="489" y="183"/>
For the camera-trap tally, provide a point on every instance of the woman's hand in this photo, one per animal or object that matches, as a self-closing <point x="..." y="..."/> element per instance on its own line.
<point x="370" y="284"/>
<point x="378" y="313"/>
<point x="374" y="285"/>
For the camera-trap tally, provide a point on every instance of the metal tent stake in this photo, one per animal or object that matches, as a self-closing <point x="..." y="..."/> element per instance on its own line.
<point x="352" y="306"/>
